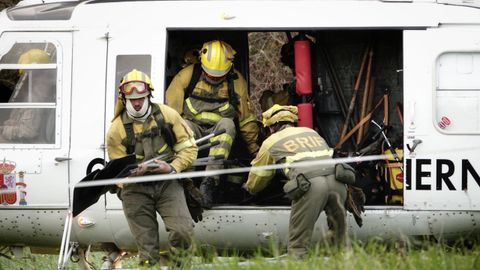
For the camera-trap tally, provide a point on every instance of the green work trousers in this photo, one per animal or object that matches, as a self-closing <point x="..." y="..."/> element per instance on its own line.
<point x="327" y="194"/>
<point x="141" y="202"/>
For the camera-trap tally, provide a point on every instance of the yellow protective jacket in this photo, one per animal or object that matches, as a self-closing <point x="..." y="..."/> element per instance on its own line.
<point x="185" y="148"/>
<point x="290" y="144"/>
<point x="199" y="110"/>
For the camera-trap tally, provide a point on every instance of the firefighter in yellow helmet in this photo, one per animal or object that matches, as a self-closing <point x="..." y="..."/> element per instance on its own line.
<point x="32" y="125"/>
<point x="311" y="190"/>
<point x="212" y="95"/>
<point x="148" y="130"/>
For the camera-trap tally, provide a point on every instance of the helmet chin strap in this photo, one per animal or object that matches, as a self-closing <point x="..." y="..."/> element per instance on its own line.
<point x="214" y="82"/>
<point x="142" y="114"/>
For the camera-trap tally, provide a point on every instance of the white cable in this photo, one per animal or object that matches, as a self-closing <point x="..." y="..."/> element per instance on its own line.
<point x="164" y="177"/>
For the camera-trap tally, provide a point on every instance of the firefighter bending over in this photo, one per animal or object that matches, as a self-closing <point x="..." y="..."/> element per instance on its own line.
<point x="148" y="130"/>
<point x="213" y="96"/>
<point x="311" y="190"/>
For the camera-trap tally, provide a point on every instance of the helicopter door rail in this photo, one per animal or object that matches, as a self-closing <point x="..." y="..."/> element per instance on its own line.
<point x="65" y="248"/>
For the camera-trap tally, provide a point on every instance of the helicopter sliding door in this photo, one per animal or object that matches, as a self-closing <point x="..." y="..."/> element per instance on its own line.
<point x="34" y="119"/>
<point x="121" y="60"/>
<point x="442" y="118"/>
<point x="35" y="91"/>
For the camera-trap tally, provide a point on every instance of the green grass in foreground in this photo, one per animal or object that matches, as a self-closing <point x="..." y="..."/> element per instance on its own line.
<point x="372" y="255"/>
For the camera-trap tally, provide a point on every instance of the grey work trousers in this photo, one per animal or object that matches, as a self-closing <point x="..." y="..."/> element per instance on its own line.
<point x="327" y="194"/>
<point x="140" y="204"/>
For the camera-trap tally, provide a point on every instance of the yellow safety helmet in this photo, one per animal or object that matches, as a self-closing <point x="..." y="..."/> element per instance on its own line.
<point x="278" y="113"/>
<point x="136" y="84"/>
<point x="217" y="58"/>
<point x="33" y="56"/>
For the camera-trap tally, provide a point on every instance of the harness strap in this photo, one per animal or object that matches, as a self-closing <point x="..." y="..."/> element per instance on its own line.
<point x="210" y="100"/>
<point x="197" y="72"/>
<point x="231" y="76"/>
<point x="161" y="129"/>
<point x="129" y="141"/>
<point x="165" y="128"/>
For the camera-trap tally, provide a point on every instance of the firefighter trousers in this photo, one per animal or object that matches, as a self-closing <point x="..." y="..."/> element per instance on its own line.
<point x="141" y="202"/>
<point x="225" y="140"/>
<point x="327" y="194"/>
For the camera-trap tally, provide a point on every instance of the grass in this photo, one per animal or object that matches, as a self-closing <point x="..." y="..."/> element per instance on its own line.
<point x="371" y="255"/>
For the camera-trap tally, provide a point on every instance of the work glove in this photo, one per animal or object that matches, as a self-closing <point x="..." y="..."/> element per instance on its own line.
<point x="355" y="203"/>
<point x="194" y="199"/>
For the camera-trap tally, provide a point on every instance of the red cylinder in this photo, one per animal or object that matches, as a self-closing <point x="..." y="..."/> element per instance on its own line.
<point x="305" y="115"/>
<point x="303" y="68"/>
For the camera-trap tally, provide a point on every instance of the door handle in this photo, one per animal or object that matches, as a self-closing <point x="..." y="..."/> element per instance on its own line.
<point x="61" y="159"/>
<point x="415" y="143"/>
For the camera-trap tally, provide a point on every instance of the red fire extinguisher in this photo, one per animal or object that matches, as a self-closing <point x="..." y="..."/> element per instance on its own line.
<point x="303" y="73"/>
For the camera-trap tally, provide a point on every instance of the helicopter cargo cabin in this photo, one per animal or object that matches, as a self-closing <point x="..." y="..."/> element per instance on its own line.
<point x="418" y="62"/>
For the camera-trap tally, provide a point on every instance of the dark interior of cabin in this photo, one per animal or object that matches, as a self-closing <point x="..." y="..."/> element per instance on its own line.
<point x="366" y="64"/>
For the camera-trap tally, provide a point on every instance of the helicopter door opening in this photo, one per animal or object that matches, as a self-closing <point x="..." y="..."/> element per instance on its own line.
<point x="266" y="59"/>
<point x="442" y="119"/>
<point x="34" y="118"/>
<point x="121" y="60"/>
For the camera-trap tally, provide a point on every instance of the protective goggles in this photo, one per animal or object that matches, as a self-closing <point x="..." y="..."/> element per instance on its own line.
<point x="137" y="86"/>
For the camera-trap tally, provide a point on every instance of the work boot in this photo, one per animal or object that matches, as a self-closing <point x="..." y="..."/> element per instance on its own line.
<point x="207" y="188"/>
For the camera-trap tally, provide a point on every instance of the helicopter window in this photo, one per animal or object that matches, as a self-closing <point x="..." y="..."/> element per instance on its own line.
<point x="126" y="63"/>
<point x="28" y="78"/>
<point x="458" y="92"/>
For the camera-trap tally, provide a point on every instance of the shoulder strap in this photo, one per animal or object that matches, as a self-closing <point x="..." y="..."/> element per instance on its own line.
<point x="129" y="141"/>
<point x="197" y="71"/>
<point x="166" y="128"/>
<point x="231" y="88"/>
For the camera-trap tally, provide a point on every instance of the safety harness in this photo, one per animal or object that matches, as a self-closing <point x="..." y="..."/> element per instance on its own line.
<point x="162" y="129"/>
<point x="231" y="76"/>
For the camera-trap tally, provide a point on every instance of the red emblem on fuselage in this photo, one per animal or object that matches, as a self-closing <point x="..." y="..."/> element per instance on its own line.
<point x="8" y="181"/>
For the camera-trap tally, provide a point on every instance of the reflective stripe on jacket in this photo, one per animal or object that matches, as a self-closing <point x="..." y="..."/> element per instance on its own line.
<point x="291" y="144"/>
<point x="208" y="103"/>
<point x="185" y="148"/>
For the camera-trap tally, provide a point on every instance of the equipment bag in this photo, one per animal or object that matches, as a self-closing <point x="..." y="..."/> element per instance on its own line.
<point x="345" y="173"/>
<point x="296" y="188"/>
<point x="393" y="176"/>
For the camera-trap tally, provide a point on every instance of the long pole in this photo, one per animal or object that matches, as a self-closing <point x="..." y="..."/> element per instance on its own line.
<point x="366" y="94"/>
<point x="354" y="96"/>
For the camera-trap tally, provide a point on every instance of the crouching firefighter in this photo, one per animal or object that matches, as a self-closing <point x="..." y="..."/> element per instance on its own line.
<point x="148" y="130"/>
<point x="311" y="190"/>
<point x="212" y="95"/>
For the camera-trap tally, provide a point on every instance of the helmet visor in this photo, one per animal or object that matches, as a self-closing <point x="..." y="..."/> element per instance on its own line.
<point x="137" y="86"/>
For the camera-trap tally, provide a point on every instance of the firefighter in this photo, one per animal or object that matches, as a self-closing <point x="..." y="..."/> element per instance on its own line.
<point x="311" y="190"/>
<point x="148" y="130"/>
<point x="211" y="96"/>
